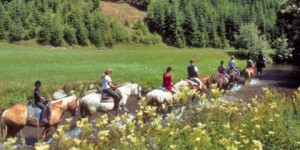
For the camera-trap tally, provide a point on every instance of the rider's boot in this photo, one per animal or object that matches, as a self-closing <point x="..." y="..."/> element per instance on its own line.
<point x="124" y="108"/>
<point x="45" y="120"/>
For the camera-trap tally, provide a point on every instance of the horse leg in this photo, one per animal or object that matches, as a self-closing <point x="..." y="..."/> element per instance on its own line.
<point x="46" y="130"/>
<point x="12" y="131"/>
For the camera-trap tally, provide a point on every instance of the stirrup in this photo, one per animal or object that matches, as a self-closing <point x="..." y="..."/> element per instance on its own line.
<point x="124" y="108"/>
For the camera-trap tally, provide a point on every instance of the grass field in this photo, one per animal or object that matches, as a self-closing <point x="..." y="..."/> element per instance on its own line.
<point x="21" y="66"/>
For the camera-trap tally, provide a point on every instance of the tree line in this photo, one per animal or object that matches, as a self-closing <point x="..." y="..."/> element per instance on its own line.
<point x="66" y="22"/>
<point x="209" y="23"/>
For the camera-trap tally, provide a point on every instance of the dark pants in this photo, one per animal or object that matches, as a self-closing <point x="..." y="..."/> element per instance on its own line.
<point x="115" y="95"/>
<point x="44" y="109"/>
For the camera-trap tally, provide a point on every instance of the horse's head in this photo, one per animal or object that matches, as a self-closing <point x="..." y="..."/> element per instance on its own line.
<point x="137" y="90"/>
<point x="131" y="89"/>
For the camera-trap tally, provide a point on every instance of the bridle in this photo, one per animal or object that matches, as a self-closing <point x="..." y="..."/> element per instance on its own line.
<point x="139" y="94"/>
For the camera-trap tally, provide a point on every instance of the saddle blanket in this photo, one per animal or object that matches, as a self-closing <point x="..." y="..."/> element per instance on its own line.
<point x="33" y="111"/>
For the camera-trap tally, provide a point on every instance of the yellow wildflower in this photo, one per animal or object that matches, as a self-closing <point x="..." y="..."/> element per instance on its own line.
<point x="271" y="132"/>
<point x="173" y="147"/>
<point x="226" y="126"/>
<point x="257" y="144"/>
<point x="69" y="119"/>
<point x="257" y="126"/>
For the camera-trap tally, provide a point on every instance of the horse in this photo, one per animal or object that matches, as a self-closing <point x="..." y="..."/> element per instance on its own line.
<point x="221" y="83"/>
<point x="158" y="97"/>
<point x="18" y="116"/>
<point x="233" y="78"/>
<point x="92" y="103"/>
<point x="260" y="65"/>
<point x="249" y="73"/>
<point x="206" y="80"/>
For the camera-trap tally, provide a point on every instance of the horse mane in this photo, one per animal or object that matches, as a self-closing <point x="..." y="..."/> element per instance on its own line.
<point x="60" y="100"/>
<point x="123" y="84"/>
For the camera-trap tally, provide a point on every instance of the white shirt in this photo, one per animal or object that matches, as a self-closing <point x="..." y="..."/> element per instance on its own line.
<point x="105" y="82"/>
<point x="196" y="69"/>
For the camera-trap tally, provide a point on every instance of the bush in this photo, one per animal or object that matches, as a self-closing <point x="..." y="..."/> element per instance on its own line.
<point x="250" y="40"/>
<point x="16" y="32"/>
<point x="282" y="51"/>
<point x="70" y="35"/>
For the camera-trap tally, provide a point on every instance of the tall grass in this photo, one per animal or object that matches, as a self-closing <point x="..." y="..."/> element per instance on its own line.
<point x="22" y="65"/>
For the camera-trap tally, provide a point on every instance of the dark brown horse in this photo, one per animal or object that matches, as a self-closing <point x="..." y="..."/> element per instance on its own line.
<point x="16" y="117"/>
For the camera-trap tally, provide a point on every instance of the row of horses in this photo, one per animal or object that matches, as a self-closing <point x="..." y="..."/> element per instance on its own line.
<point x="18" y="116"/>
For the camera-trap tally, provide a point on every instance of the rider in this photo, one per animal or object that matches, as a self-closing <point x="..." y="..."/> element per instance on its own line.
<point x="261" y="59"/>
<point x="168" y="81"/>
<point x="232" y="65"/>
<point x="40" y="101"/>
<point x="249" y="62"/>
<point x="109" y="88"/>
<point x="222" y="71"/>
<point x="193" y="73"/>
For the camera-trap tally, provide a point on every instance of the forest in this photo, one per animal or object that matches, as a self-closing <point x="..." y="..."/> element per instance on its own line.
<point x="248" y="25"/>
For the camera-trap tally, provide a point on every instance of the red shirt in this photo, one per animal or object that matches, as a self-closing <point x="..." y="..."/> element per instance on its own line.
<point x="167" y="80"/>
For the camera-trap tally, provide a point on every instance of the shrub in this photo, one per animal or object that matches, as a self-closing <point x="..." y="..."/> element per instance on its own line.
<point x="70" y="35"/>
<point x="282" y="51"/>
<point x="16" y="32"/>
<point x="250" y="40"/>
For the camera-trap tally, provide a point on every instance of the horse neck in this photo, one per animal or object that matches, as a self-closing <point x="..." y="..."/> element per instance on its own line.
<point x="58" y="107"/>
<point x="63" y="104"/>
<point x="125" y="90"/>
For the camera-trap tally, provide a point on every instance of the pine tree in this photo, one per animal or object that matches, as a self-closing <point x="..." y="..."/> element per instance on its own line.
<point x="16" y="32"/>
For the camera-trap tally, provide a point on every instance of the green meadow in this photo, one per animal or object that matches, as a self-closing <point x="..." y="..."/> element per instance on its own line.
<point x="21" y="66"/>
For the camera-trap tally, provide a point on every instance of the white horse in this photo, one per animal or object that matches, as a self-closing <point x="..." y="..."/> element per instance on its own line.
<point x="158" y="97"/>
<point x="92" y="103"/>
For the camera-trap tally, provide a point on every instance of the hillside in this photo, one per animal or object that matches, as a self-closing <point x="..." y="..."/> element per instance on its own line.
<point x="123" y="12"/>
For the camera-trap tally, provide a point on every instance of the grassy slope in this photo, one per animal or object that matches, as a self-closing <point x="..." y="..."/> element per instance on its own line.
<point x="22" y="65"/>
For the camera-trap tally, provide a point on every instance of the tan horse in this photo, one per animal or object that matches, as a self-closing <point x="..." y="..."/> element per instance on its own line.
<point x="16" y="117"/>
<point x="249" y="73"/>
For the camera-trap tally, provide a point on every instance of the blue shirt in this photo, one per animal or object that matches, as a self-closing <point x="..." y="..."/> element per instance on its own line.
<point x="231" y="64"/>
<point x="222" y="69"/>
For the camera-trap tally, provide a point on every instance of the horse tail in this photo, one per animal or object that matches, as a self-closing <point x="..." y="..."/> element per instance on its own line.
<point x="3" y="126"/>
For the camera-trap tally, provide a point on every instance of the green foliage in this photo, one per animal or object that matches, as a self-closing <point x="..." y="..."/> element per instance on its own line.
<point x="250" y="39"/>
<point x="282" y="51"/>
<point x="141" y="3"/>
<point x="209" y="22"/>
<point x="70" y="35"/>
<point x="118" y="34"/>
<point x="142" y="35"/>
<point x="214" y="124"/>
<point x="16" y="32"/>
<point x="288" y="23"/>
<point x="52" y="22"/>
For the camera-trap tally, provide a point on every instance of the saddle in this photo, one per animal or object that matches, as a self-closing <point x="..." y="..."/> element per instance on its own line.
<point x="34" y="112"/>
<point x="105" y="98"/>
<point x="194" y="83"/>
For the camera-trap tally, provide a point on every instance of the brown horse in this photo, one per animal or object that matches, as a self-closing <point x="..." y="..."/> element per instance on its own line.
<point x="221" y="83"/>
<point x="249" y="73"/>
<point x="206" y="80"/>
<point x="16" y="117"/>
